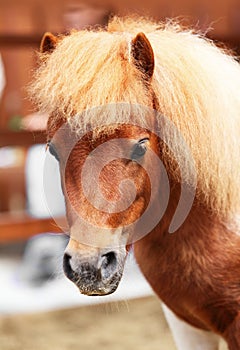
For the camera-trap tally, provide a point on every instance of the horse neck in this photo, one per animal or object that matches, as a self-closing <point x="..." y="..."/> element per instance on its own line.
<point x="199" y="215"/>
<point x="199" y="228"/>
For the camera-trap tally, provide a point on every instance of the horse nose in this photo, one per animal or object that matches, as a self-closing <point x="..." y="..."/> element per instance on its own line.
<point x="103" y="269"/>
<point x="108" y="265"/>
<point x="94" y="274"/>
<point x="67" y="266"/>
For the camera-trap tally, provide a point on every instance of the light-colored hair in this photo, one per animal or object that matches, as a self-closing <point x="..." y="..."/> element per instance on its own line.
<point x="197" y="86"/>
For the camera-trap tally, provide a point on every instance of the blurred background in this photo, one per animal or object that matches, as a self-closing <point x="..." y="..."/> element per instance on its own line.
<point x="31" y="279"/>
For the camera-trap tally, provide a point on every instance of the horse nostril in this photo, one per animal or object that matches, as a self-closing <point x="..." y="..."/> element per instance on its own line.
<point x="67" y="266"/>
<point x="108" y="264"/>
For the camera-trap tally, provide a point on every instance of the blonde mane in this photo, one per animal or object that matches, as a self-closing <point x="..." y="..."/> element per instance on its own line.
<point x="197" y="86"/>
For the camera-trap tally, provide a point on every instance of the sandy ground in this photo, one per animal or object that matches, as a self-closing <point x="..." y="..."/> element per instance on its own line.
<point x="126" y="325"/>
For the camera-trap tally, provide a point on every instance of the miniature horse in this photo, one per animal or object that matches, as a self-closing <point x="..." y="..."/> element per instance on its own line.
<point x="118" y="99"/>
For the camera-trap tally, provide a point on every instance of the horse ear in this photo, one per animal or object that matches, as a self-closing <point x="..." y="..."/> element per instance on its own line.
<point x="48" y="43"/>
<point x="143" y="55"/>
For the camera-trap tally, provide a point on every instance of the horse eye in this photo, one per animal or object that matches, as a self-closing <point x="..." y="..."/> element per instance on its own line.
<point x="139" y="149"/>
<point x="52" y="150"/>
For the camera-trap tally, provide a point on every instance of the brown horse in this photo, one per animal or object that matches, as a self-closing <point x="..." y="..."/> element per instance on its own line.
<point x="126" y="108"/>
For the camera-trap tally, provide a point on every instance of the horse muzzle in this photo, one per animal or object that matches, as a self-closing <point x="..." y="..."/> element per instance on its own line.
<point x="94" y="275"/>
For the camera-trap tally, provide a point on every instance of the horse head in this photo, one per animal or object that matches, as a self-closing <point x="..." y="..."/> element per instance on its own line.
<point x="106" y="187"/>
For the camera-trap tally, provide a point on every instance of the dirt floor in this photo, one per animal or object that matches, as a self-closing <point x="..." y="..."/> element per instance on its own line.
<point x="126" y="325"/>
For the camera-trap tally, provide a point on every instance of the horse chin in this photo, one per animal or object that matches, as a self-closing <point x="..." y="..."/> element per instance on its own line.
<point x="99" y="289"/>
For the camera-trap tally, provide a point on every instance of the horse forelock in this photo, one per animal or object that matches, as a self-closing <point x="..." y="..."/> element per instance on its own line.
<point x="195" y="83"/>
